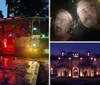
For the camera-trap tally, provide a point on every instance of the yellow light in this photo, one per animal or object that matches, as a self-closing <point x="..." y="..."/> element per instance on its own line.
<point x="34" y="45"/>
<point x="81" y="74"/>
<point x="97" y="73"/>
<point x="69" y="74"/>
<point x="30" y="63"/>
<point x="62" y="73"/>
<point x="46" y="51"/>
<point x="35" y="50"/>
<point x="59" y="74"/>
<point x="51" y="68"/>
<point x="30" y="49"/>
<point x="35" y="63"/>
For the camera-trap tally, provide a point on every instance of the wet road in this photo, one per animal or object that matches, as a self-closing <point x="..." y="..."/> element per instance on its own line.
<point x="18" y="72"/>
<point x="75" y="81"/>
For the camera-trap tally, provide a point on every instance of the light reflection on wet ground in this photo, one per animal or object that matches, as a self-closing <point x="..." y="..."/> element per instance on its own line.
<point x="12" y="72"/>
<point x="9" y="75"/>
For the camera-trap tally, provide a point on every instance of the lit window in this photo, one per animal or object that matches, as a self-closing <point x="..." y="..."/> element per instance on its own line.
<point x="51" y="70"/>
<point x="94" y="59"/>
<point x="88" y="54"/>
<point x="81" y="58"/>
<point x="69" y="58"/>
<point x="58" y="58"/>
<point x="63" y="53"/>
<point x="34" y="28"/>
<point x="10" y="35"/>
<point x="91" y="58"/>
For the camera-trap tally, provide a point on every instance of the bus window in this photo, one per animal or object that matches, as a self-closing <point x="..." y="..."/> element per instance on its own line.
<point x="25" y="28"/>
<point x="18" y="31"/>
<point x="36" y="27"/>
<point x="8" y="30"/>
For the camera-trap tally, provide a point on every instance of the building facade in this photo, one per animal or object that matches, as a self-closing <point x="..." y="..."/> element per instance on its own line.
<point x="75" y="65"/>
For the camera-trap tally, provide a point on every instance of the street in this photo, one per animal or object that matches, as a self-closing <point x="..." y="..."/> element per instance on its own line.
<point x="75" y="81"/>
<point x="19" y="71"/>
<point x="43" y="76"/>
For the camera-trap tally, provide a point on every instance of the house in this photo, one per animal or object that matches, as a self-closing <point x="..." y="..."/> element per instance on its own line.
<point x="75" y="65"/>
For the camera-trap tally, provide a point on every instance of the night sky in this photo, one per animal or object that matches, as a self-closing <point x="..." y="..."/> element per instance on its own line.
<point x="3" y="7"/>
<point x="56" y="48"/>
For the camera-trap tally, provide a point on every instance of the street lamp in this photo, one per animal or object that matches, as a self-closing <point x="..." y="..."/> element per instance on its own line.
<point x="94" y="59"/>
<point x="51" y="70"/>
<point x="58" y="58"/>
<point x="34" y="44"/>
<point x="35" y="50"/>
<point x="81" y="58"/>
<point x="69" y="58"/>
<point x="91" y="58"/>
<point x="34" y="28"/>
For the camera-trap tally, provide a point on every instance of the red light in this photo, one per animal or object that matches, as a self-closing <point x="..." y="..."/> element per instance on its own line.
<point x="5" y="61"/>
<point x="0" y="26"/>
<point x="1" y="75"/>
<point x="12" y="79"/>
<point x="5" y="46"/>
<point x="5" y="42"/>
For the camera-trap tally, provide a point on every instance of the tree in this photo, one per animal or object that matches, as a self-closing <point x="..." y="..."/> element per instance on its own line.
<point x="27" y="8"/>
<point x="1" y="15"/>
<point x="8" y="2"/>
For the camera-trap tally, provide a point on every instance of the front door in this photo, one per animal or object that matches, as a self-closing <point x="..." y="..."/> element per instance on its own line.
<point x="75" y="72"/>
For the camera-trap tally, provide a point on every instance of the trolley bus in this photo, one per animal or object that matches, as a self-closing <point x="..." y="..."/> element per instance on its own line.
<point x="17" y="32"/>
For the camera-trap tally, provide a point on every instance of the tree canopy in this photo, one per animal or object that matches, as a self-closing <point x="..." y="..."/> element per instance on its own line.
<point x="27" y="8"/>
<point x="1" y="15"/>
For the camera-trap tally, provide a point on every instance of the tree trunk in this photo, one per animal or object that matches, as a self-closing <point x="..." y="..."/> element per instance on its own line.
<point x="8" y="9"/>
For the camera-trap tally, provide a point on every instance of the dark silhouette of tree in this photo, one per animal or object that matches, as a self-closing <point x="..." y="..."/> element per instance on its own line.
<point x="8" y="3"/>
<point x="1" y="15"/>
<point x="44" y="25"/>
<point x="53" y="57"/>
<point x="27" y="8"/>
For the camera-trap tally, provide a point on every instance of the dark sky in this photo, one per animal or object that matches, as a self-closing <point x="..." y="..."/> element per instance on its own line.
<point x="56" y="48"/>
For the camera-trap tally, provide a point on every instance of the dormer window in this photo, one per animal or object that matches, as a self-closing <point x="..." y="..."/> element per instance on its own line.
<point x="88" y="53"/>
<point x="76" y="55"/>
<point x="63" y="53"/>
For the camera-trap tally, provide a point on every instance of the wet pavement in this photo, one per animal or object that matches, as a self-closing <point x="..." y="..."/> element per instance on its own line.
<point x="18" y="72"/>
<point x="43" y="75"/>
<point x="74" y="81"/>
